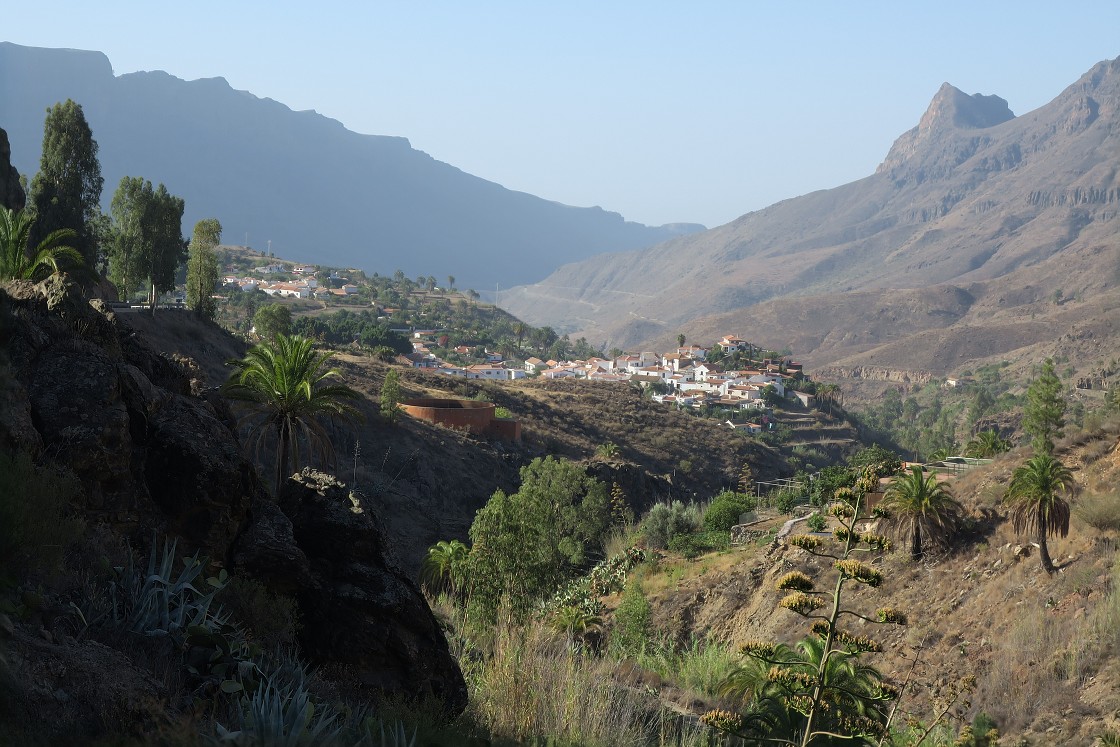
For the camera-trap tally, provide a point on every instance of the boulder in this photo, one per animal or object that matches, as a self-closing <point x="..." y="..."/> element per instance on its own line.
<point x="361" y="610"/>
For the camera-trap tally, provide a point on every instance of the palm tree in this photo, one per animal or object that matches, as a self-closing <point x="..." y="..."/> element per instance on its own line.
<point x="283" y="382"/>
<point x="443" y="567"/>
<point x="16" y="263"/>
<point x="920" y="505"/>
<point x="1035" y="504"/>
<point x="985" y="445"/>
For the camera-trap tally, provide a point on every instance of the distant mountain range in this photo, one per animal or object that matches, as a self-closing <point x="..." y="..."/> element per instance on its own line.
<point x="318" y="191"/>
<point x="981" y="235"/>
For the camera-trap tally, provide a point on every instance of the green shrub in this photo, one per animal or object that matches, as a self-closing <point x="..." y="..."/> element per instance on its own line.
<point x="667" y="520"/>
<point x="816" y="523"/>
<point x="726" y="509"/>
<point x="37" y="519"/>
<point x="787" y="499"/>
<point x="632" y="622"/>
<point x="695" y="545"/>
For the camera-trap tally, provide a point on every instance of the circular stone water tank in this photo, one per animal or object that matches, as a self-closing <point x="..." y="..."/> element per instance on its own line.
<point x="456" y="413"/>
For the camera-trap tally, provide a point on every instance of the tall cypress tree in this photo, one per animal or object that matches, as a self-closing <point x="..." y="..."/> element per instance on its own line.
<point x="66" y="193"/>
<point x="202" y="266"/>
<point x="1044" y="414"/>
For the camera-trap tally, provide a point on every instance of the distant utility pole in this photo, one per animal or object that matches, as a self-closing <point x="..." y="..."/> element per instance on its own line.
<point x="495" y="294"/>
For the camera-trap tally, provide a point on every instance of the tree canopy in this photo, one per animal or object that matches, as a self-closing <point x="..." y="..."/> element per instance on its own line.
<point x="66" y="191"/>
<point x="526" y="544"/>
<point x="147" y="237"/>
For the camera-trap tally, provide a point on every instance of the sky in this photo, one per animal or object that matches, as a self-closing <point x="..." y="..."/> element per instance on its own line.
<point x="662" y="111"/>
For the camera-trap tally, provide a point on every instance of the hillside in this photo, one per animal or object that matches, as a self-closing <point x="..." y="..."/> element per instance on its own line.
<point x="981" y="235"/>
<point x="300" y="180"/>
<point x="1044" y="650"/>
<point x="430" y="480"/>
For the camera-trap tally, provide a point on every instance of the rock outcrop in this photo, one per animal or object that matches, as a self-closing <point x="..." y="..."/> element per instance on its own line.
<point x="11" y="192"/>
<point x="101" y="402"/>
<point x="359" y="609"/>
<point x="81" y="388"/>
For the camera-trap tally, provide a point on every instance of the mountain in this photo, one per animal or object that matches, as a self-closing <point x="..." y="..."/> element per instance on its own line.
<point x="981" y="234"/>
<point x="301" y="180"/>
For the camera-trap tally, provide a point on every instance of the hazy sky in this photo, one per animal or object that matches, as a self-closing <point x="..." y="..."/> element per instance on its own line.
<point x="662" y="111"/>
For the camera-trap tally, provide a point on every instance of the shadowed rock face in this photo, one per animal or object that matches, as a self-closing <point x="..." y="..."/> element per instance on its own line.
<point x="80" y="388"/>
<point x="11" y="193"/>
<point x="96" y="398"/>
<point x="359" y="608"/>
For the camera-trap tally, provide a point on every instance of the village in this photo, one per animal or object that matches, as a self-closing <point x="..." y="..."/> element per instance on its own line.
<point x="729" y="379"/>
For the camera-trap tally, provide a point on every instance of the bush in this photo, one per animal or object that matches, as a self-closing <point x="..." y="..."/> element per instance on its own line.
<point x="695" y="545"/>
<point x="816" y="523"/>
<point x="667" y="520"/>
<point x="37" y="521"/>
<point x="787" y="499"/>
<point x="632" y="621"/>
<point x="726" y="510"/>
<point x="1099" y="510"/>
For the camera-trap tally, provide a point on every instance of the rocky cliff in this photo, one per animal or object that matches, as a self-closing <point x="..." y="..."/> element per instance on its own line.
<point x="81" y="389"/>
<point x="11" y="192"/>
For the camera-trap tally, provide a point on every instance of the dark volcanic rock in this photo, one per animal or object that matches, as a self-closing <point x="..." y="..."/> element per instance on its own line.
<point x="116" y="413"/>
<point x="361" y="609"/>
<point x="11" y="193"/>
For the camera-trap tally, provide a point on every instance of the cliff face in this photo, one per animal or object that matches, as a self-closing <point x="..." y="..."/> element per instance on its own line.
<point x="11" y="192"/>
<point x="80" y="388"/>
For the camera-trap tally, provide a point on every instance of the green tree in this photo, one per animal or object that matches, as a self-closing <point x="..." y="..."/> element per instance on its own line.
<point x="202" y="266"/>
<point x="16" y="263"/>
<point x="1045" y="411"/>
<point x="1034" y="499"/>
<point x="680" y="339"/>
<point x="66" y="192"/>
<point x="391" y="396"/>
<point x="147" y="237"/>
<point x="284" y="383"/>
<point x="272" y="320"/>
<point x="921" y="507"/>
<point x="526" y="544"/>
<point x="450" y="282"/>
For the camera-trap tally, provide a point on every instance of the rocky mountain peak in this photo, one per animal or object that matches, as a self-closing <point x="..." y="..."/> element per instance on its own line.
<point x="950" y="112"/>
<point x="952" y="107"/>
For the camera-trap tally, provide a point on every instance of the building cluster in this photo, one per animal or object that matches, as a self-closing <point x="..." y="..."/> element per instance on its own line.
<point x="302" y="284"/>
<point x="684" y="377"/>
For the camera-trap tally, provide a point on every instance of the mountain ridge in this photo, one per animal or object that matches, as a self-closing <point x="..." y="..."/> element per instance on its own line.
<point x="301" y="179"/>
<point x="1009" y="210"/>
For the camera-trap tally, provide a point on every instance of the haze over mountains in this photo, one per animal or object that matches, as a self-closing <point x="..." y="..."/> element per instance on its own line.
<point x="318" y="191"/>
<point x="981" y="234"/>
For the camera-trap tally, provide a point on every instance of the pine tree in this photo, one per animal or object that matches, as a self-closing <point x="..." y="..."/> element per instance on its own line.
<point x="1044" y="414"/>
<point x="391" y="396"/>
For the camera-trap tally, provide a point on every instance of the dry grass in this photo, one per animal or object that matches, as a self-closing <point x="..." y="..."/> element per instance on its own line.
<point x="531" y="687"/>
<point x="1099" y="510"/>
